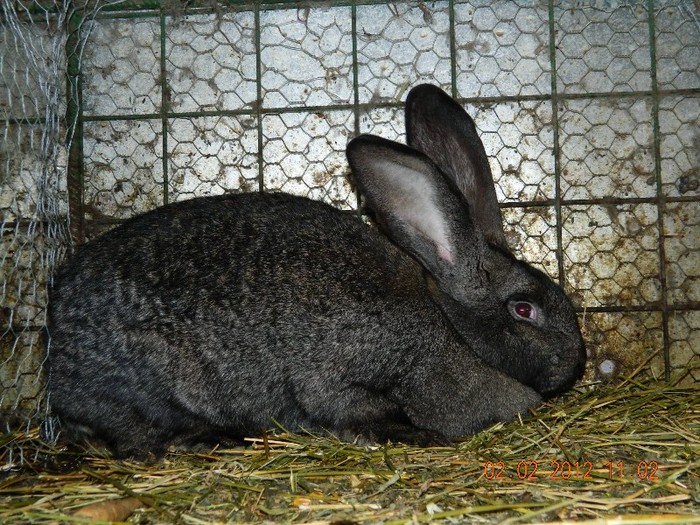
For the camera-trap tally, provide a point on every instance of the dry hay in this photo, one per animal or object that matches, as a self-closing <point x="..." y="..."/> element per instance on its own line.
<point x="625" y="453"/>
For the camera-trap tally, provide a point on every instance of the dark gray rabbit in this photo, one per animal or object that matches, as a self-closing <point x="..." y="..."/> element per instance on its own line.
<point x="213" y="318"/>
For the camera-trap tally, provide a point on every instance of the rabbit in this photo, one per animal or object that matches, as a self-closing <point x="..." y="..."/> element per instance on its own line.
<point x="218" y="317"/>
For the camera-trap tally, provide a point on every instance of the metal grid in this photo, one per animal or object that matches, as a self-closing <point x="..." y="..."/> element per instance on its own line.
<point x="589" y="111"/>
<point x="32" y="196"/>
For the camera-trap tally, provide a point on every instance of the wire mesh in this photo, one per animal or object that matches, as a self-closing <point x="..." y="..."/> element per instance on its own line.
<point x="33" y="195"/>
<point x="589" y="112"/>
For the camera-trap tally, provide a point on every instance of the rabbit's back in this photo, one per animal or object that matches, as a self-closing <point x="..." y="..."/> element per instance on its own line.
<point x="235" y="253"/>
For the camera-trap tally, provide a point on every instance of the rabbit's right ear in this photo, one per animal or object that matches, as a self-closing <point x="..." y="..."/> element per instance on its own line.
<point x="439" y="127"/>
<point x="414" y="204"/>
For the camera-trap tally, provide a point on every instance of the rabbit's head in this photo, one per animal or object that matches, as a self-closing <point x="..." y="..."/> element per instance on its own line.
<point x="436" y="199"/>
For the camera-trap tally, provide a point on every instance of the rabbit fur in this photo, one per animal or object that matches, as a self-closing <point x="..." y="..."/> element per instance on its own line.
<point x="217" y="317"/>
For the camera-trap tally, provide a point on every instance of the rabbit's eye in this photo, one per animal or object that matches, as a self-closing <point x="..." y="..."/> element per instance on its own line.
<point x="524" y="310"/>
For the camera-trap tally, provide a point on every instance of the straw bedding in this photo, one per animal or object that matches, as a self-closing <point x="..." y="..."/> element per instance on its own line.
<point x="623" y="453"/>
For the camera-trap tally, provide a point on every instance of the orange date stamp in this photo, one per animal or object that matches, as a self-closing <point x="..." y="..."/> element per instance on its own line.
<point x="533" y="470"/>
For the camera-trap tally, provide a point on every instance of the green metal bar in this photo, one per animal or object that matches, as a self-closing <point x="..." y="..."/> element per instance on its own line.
<point x="453" y="48"/>
<point x="259" y="98"/>
<point x="372" y="105"/>
<point x="128" y="9"/>
<point x="355" y="90"/>
<point x="164" y="107"/>
<point x="661" y="201"/>
<point x="74" y="109"/>
<point x="555" y="102"/>
<point x="355" y="72"/>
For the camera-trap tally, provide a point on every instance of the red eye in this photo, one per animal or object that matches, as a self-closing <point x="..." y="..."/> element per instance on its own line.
<point x="524" y="310"/>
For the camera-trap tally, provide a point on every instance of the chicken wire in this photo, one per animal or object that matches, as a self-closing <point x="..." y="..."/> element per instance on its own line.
<point x="589" y="112"/>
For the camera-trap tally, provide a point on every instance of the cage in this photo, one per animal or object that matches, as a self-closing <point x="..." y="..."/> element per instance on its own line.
<point x="589" y="112"/>
<point x="590" y="115"/>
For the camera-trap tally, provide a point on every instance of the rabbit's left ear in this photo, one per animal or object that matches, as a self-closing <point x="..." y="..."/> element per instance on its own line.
<point x="416" y="207"/>
<point x="440" y="128"/>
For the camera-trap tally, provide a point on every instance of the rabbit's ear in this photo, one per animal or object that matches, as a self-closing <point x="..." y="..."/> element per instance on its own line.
<point x="413" y="202"/>
<point x="439" y="127"/>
